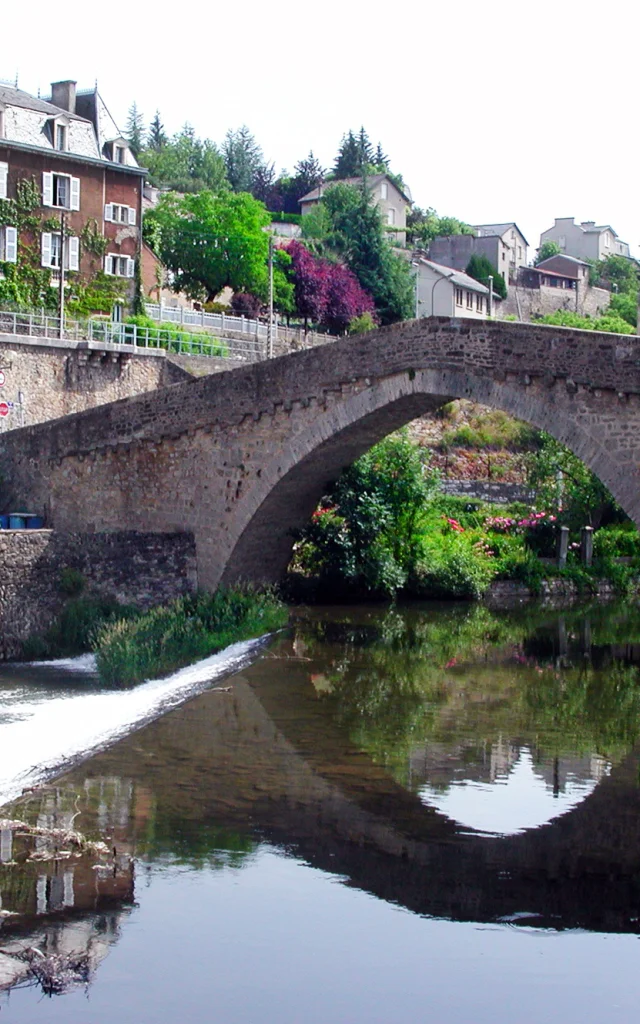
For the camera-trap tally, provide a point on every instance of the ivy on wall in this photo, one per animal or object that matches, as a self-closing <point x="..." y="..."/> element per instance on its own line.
<point x="27" y="285"/>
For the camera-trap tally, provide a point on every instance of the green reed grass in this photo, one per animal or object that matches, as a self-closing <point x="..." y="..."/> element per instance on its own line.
<point x="167" y="638"/>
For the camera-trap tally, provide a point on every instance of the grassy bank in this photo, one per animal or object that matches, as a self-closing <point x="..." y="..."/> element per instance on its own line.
<point x="131" y="645"/>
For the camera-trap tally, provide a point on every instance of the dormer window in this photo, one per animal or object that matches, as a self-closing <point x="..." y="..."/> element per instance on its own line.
<point x="119" y="154"/>
<point x="61" y="136"/>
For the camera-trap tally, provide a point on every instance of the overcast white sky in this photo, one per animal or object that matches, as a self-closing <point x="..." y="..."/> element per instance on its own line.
<point x="491" y="112"/>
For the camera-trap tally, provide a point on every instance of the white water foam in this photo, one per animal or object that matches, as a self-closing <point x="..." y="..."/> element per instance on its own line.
<point x="46" y="736"/>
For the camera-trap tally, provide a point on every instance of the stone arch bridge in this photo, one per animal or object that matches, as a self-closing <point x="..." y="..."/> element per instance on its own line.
<point x="241" y="458"/>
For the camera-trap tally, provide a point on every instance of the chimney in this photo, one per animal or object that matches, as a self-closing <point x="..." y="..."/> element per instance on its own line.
<point x="63" y="94"/>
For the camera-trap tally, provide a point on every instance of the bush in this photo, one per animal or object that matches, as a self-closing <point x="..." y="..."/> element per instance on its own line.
<point x="246" y="304"/>
<point x="616" y="542"/>
<point x="453" y="567"/>
<point x="71" y="582"/>
<point x="362" y="324"/>
<point x="73" y="631"/>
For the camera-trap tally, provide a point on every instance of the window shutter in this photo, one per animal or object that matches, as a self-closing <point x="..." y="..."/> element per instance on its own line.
<point x="47" y="188"/>
<point x="108" y="212"/>
<point x="75" y="194"/>
<point x="4" y="172"/>
<point x="132" y="216"/>
<point x="74" y="253"/>
<point x="45" y="260"/>
<point x="11" y="245"/>
<point x="131" y="264"/>
<point x="108" y="264"/>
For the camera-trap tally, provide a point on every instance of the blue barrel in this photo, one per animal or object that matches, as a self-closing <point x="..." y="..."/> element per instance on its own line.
<point x="34" y="522"/>
<point x="17" y="521"/>
<point x="4" y="522"/>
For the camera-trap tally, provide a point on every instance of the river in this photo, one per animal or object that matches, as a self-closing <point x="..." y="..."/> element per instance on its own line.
<point x="382" y="814"/>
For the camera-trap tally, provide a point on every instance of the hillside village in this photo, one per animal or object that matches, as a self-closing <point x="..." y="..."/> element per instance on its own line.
<point x="112" y="220"/>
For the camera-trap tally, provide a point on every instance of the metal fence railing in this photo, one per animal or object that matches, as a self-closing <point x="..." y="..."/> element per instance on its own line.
<point x="171" y="338"/>
<point x="224" y="323"/>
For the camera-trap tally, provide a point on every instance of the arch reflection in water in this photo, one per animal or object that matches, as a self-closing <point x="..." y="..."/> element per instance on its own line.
<point x="520" y="794"/>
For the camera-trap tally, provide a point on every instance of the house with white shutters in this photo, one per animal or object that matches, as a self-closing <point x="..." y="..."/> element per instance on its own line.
<point x="68" y="148"/>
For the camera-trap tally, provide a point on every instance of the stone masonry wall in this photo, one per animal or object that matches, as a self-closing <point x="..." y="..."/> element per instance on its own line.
<point x="241" y="458"/>
<point x="527" y="303"/>
<point x="56" y="379"/>
<point x="137" y="568"/>
<point x="485" y="490"/>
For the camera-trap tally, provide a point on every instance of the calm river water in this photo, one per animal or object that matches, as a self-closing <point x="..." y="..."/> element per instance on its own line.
<point x="383" y="815"/>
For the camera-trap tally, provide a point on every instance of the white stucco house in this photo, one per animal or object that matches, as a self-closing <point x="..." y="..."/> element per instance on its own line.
<point x="443" y="291"/>
<point x="585" y="241"/>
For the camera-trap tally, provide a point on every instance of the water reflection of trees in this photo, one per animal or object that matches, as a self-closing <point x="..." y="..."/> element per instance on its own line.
<point x="466" y="678"/>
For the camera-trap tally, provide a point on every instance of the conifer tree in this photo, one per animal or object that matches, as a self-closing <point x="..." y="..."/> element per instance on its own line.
<point x="134" y="130"/>
<point x="156" y="137"/>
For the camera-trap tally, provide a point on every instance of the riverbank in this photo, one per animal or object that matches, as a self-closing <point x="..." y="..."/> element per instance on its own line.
<point x="132" y="644"/>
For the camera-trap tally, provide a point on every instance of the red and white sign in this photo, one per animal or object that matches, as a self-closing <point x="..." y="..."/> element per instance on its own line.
<point x="2" y="379"/>
<point x="4" y="409"/>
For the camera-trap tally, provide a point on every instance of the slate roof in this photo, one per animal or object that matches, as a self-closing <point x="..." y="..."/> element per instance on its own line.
<point x="457" y="277"/>
<point x="498" y="229"/>
<point x="372" y="181"/>
<point x="18" y="98"/>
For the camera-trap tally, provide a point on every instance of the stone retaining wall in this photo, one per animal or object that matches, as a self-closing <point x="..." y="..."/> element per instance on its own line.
<point x="46" y="380"/>
<point x="554" y="593"/>
<point x="136" y="568"/>
<point x="485" y="490"/>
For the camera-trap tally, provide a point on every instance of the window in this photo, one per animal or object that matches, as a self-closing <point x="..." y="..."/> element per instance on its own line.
<point x="391" y="215"/>
<point x="60" y="190"/>
<point x="119" y="266"/>
<point x="384" y="190"/>
<point x="519" y="252"/>
<point x="118" y="154"/>
<point x="1" y="123"/>
<point x="458" y="296"/>
<point x="479" y="303"/>
<point x="51" y="246"/>
<point x="61" y="136"/>
<point x="562" y="241"/>
<point x="8" y="244"/>
<point x="4" y="174"/>
<point x="117" y="214"/>
<point x="606" y="238"/>
<point x="469" y="300"/>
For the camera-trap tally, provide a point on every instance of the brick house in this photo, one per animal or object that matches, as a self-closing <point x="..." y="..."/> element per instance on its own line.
<point x="70" y="148"/>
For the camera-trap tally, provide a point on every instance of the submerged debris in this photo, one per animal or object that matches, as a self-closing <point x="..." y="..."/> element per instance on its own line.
<point x="71" y="841"/>
<point x="55" y="972"/>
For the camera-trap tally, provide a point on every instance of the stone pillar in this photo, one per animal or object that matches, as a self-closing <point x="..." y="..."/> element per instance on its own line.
<point x="562" y="546"/>
<point x="586" y="545"/>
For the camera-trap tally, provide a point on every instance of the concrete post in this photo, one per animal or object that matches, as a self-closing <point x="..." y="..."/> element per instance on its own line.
<point x="586" y="545"/>
<point x="562" y="546"/>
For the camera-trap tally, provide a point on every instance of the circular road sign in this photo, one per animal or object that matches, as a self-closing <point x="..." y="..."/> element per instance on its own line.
<point x="4" y="409"/>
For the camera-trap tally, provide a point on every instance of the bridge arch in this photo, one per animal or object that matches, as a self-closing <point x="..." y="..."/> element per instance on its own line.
<point x="292" y="482"/>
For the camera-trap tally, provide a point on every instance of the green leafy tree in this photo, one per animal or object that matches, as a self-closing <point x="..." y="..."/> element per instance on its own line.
<point x="368" y="528"/>
<point x="211" y="241"/>
<point x="243" y="159"/>
<point x="625" y="306"/>
<point x="425" y="225"/>
<point x="134" y="130"/>
<point x="357" y="236"/>
<point x="156" y="137"/>
<point x="546" y="251"/>
<point x="186" y="164"/>
<point x="481" y="269"/>
<point x="618" y="273"/>
<point x="610" y="323"/>
<point x="561" y="481"/>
